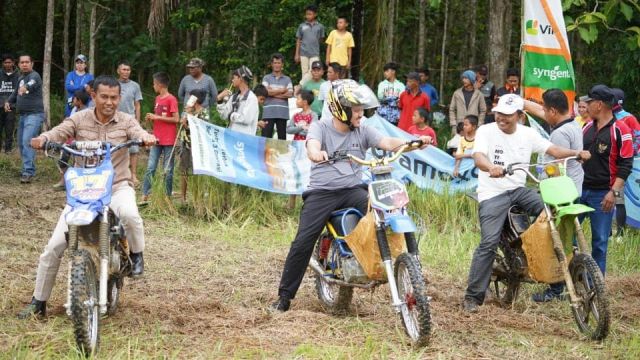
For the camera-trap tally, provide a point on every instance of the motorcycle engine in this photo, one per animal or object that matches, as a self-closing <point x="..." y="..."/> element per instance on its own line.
<point x="352" y="271"/>
<point x="114" y="263"/>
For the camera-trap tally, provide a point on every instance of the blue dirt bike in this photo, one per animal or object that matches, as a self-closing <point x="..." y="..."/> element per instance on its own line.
<point x="357" y="250"/>
<point x="98" y="247"/>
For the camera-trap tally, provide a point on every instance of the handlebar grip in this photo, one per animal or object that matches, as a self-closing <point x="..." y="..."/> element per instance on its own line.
<point x="51" y="146"/>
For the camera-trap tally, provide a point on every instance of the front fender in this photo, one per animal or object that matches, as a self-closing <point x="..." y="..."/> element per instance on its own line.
<point x="401" y="224"/>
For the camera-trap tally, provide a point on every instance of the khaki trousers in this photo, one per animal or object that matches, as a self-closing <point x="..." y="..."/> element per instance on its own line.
<point x="123" y="204"/>
<point x="305" y="67"/>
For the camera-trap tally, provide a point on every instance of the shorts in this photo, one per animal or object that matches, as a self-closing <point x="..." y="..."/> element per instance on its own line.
<point x="186" y="162"/>
<point x="134" y="149"/>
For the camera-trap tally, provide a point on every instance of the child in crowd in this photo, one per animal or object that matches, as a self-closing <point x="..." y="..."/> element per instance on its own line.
<point x="469" y="126"/>
<point x="452" y="145"/>
<point x="340" y="44"/>
<point x="261" y="93"/>
<point x="196" y="109"/>
<point x="164" y="119"/>
<point x="313" y="85"/>
<point x="299" y="124"/>
<point x="421" y="127"/>
<point x="80" y="101"/>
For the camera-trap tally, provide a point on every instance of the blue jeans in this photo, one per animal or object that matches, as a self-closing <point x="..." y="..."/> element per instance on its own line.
<point x="167" y="158"/>
<point x="600" y="225"/>
<point x="30" y="126"/>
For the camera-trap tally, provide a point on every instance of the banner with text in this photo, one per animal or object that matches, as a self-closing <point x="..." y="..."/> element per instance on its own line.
<point x="546" y="58"/>
<point x="283" y="167"/>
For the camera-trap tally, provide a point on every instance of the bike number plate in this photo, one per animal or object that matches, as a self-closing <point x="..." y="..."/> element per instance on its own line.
<point x="86" y="185"/>
<point x="388" y="194"/>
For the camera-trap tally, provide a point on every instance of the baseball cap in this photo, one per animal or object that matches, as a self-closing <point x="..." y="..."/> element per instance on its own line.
<point x="413" y="76"/>
<point x="317" y="65"/>
<point x="195" y="62"/>
<point x="602" y="93"/>
<point x="81" y="58"/>
<point x="619" y="95"/>
<point x="509" y="104"/>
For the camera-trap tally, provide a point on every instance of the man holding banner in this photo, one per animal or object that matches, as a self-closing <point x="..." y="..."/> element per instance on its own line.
<point x="336" y="185"/>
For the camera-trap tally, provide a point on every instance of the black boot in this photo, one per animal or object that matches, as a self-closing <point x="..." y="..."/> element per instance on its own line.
<point x="137" y="268"/>
<point x="281" y="305"/>
<point x="36" y="308"/>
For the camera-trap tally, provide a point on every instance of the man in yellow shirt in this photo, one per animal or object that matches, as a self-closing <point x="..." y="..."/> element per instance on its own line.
<point x="340" y="44"/>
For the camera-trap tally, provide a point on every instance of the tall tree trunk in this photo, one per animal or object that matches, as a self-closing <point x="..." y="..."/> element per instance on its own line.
<point x="79" y="26"/>
<point x="93" y="29"/>
<point x="422" y="32"/>
<point x="472" y="33"/>
<point x="390" y="30"/>
<point x="65" y="35"/>
<point x="46" y="65"/>
<point x="499" y="28"/>
<point x="357" y="20"/>
<point x="444" y="48"/>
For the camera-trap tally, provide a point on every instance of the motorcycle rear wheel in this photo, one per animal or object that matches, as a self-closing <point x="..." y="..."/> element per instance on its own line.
<point x="592" y="314"/>
<point x="84" y="299"/>
<point x="506" y="285"/>
<point x="416" y="313"/>
<point x="334" y="298"/>
<point x="113" y="294"/>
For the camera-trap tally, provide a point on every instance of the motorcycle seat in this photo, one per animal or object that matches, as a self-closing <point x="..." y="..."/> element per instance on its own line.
<point x="345" y="220"/>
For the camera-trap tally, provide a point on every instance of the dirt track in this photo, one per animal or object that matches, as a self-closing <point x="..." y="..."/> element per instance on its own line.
<point x="204" y="296"/>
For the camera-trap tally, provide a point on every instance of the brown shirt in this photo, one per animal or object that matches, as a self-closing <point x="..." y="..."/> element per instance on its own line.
<point x="84" y="126"/>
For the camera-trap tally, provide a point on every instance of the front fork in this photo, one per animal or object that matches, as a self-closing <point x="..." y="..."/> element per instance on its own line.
<point x="385" y="253"/>
<point x="104" y="260"/>
<point x="558" y="248"/>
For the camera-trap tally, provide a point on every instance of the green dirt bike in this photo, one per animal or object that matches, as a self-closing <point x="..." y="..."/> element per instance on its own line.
<point x="582" y="276"/>
<point x="98" y="248"/>
<point x="357" y="250"/>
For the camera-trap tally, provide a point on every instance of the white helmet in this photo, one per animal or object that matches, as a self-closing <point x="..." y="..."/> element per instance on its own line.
<point x="347" y="93"/>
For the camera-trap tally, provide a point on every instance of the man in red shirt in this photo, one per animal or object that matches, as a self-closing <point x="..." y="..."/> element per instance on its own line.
<point x="410" y="100"/>
<point x="164" y="119"/>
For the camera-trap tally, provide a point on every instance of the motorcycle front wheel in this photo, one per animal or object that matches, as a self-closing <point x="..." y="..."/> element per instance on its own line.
<point x="415" y="313"/>
<point x="592" y="312"/>
<point x="334" y="298"/>
<point x="506" y="285"/>
<point x="85" y="314"/>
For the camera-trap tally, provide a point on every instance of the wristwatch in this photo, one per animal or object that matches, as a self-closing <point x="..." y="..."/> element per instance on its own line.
<point x="616" y="193"/>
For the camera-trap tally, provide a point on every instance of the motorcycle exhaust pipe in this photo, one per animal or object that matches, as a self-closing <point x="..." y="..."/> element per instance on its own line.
<point x="315" y="266"/>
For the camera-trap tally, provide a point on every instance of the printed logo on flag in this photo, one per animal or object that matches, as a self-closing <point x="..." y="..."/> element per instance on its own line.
<point x="532" y="27"/>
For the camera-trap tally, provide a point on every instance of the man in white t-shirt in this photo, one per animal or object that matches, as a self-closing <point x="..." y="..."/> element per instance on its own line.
<point x="496" y="146"/>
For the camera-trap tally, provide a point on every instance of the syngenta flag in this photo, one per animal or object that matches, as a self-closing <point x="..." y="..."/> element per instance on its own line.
<point x="546" y="57"/>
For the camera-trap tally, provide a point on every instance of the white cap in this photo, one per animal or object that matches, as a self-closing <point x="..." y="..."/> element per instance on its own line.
<point x="509" y="104"/>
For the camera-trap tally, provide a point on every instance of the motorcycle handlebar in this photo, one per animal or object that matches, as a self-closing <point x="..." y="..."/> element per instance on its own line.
<point x="343" y="155"/>
<point x="77" y="148"/>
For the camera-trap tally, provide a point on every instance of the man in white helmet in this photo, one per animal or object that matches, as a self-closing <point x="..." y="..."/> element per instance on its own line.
<point x="336" y="185"/>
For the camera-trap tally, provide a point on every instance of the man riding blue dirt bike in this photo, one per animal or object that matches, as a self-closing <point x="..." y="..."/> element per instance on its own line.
<point x="335" y="185"/>
<point x="105" y="124"/>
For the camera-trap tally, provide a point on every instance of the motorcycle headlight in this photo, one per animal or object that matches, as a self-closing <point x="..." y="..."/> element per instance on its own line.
<point x="552" y="170"/>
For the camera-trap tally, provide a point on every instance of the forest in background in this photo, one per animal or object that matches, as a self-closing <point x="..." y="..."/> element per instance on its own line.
<point x="447" y="36"/>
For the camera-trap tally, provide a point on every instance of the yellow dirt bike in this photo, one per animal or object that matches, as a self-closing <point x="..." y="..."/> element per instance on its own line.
<point x="358" y="250"/>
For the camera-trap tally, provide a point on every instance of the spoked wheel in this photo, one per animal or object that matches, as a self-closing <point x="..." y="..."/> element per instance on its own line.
<point x="85" y="314"/>
<point x="592" y="311"/>
<point x="334" y="298"/>
<point x="113" y="294"/>
<point x="506" y="289"/>
<point x="505" y="284"/>
<point x="415" y="314"/>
